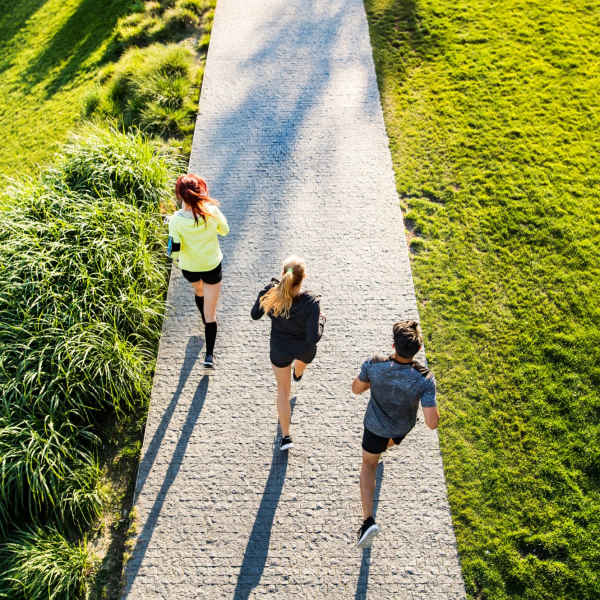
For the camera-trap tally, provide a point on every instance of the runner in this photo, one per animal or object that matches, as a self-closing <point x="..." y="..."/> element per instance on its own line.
<point x="193" y="239"/>
<point x="295" y="331"/>
<point x="397" y="384"/>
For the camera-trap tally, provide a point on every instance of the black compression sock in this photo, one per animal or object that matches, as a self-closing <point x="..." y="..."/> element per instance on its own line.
<point x="210" y="332"/>
<point x="200" y="305"/>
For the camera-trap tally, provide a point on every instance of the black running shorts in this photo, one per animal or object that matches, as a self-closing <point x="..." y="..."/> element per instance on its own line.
<point x="283" y="357"/>
<point x="209" y="277"/>
<point x="376" y="444"/>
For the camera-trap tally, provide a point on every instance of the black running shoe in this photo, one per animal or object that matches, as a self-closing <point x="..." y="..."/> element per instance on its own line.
<point x="286" y="443"/>
<point x="367" y="532"/>
<point x="209" y="361"/>
<point x="296" y="379"/>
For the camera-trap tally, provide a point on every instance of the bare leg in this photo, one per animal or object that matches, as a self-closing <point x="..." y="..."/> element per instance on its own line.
<point x="211" y="297"/>
<point x="299" y="367"/>
<point x="198" y="287"/>
<point x="283" y="376"/>
<point x="368" y="473"/>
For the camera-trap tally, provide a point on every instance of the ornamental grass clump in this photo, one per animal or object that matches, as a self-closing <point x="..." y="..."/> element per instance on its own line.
<point x="167" y="20"/>
<point x="41" y="564"/>
<point x="83" y="280"/>
<point x="153" y="88"/>
<point x="82" y="284"/>
<point x="47" y="471"/>
<point x="105" y="163"/>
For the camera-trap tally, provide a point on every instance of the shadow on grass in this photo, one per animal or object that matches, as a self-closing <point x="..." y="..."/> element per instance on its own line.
<point x="14" y="17"/>
<point x="399" y="35"/>
<point x="257" y="549"/>
<point x="88" y="27"/>
<point x="362" y="586"/>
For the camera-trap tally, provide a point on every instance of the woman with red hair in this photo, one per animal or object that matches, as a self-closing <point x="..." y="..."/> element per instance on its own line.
<point x="193" y="237"/>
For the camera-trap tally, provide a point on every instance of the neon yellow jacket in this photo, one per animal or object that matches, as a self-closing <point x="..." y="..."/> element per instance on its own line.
<point x="200" y="250"/>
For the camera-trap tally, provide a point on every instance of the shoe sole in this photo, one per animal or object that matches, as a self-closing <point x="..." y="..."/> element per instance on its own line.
<point x="286" y="446"/>
<point x="367" y="537"/>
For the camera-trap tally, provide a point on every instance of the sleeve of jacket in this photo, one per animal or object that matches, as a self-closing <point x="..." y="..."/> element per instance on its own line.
<point x="312" y="322"/>
<point x="257" y="311"/>
<point x="174" y="240"/>
<point x="222" y="224"/>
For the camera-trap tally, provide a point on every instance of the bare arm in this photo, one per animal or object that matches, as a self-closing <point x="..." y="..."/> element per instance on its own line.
<point x="432" y="416"/>
<point x="359" y="386"/>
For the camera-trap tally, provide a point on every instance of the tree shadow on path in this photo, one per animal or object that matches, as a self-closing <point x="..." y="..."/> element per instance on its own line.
<point x="257" y="549"/>
<point x="362" y="585"/>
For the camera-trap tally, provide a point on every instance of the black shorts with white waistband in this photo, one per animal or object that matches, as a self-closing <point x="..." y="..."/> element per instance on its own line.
<point x="209" y="277"/>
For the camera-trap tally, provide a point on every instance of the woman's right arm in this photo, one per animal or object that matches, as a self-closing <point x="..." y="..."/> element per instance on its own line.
<point x="257" y="310"/>
<point x="222" y="224"/>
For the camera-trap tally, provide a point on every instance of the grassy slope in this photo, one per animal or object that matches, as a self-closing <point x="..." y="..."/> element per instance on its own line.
<point x="493" y="112"/>
<point x="49" y="52"/>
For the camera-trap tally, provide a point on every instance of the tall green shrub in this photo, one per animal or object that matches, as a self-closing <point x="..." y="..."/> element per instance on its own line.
<point x="41" y="564"/>
<point x="154" y="88"/>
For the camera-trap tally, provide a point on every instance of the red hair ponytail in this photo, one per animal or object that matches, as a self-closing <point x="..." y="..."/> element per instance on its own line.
<point x="194" y="191"/>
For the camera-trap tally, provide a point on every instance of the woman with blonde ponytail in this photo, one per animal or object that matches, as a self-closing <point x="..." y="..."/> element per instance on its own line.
<point x="193" y="239"/>
<point x="295" y="331"/>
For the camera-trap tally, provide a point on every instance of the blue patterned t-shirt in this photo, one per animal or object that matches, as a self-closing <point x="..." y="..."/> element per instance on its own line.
<point x="396" y="389"/>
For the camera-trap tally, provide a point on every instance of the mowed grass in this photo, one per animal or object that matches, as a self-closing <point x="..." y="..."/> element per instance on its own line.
<point x="493" y="112"/>
<point x="50" y="51"/>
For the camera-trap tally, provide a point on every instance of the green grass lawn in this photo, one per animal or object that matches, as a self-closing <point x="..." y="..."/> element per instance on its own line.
<point x="493" y="112"/>
<point x="50" y="51"/>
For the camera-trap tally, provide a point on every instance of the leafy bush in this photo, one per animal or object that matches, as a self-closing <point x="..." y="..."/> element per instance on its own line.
<point x="47" y="469"/>
<point x="90" y="261"/>
<point x="41" y="564"/>
<point x="154" y="88"/>
<point x="105" y="163"/>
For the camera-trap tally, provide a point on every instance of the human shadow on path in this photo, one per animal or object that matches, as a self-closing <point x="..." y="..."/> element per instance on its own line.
<point x="192" y="351"/>
<point x="362" y="586"/>
<point x="145" y="536"/>
<point x="257" y="548"/>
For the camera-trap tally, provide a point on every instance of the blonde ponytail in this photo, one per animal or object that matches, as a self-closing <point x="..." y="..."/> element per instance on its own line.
<point x="278" y="300"/>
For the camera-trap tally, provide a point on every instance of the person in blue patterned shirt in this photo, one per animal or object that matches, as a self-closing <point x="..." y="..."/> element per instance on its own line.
<point x="398" y="384"/>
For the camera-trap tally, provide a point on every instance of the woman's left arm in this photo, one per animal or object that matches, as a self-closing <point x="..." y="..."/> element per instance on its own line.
<point x="222" y="224"/>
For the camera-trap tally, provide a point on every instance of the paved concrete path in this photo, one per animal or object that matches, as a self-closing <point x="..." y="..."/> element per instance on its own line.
<point x="291" y="139"/>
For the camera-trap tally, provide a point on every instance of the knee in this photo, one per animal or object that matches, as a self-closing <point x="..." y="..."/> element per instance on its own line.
<point x="370" y="464"/>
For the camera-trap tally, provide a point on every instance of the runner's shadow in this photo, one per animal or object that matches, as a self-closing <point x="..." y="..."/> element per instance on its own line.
<point x="143" y="540"/>
<point x="257" y="548"/>
<point x="192" y="351"/>
<point x="363" y="578"/>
